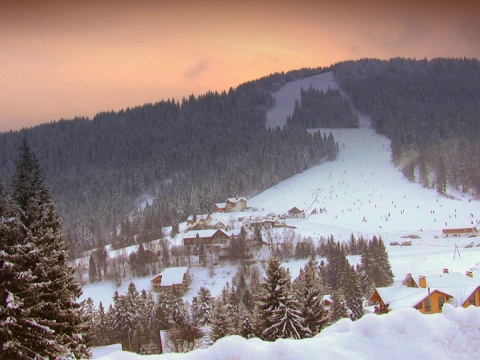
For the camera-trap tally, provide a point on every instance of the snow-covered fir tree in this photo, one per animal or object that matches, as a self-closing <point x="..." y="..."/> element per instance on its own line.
<point x="278" y="308"/>
<point x="338" y="309"/>
<point x="21" y="337"/>
<point x="307" y="290"/>
<point x="353" y="293"/>
<point x="51" y="291"/>
<point x="221" y="325"/>
<point x="202" y="307"/>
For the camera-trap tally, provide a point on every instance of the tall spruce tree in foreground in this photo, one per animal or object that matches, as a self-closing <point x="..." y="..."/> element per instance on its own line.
<point x="21" y="336"/>
<point x="51" y="298"/>
<point x="279" y="309"/>
<point x="307" y="291"/>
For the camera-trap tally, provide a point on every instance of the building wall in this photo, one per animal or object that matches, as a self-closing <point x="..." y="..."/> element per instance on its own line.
<point x="476" y="294"/>
<point x="435" y="307"/>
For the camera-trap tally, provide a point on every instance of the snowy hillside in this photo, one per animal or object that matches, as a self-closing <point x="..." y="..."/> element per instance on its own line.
<point x="364" y="194"/>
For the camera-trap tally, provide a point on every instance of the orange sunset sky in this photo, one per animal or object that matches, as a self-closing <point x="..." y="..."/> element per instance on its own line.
<point x="59" y="59"/>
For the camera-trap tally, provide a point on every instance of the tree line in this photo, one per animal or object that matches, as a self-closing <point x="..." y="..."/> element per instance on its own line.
<point x="269" y="308"/>
<point x="322" y="109"/>
<point x="179" y="156"/>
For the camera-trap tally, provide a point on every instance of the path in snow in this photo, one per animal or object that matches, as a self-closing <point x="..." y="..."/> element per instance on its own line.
<point x="286" y="96"/>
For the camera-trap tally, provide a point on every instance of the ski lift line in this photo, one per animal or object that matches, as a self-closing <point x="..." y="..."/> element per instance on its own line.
<point x="398" y="232"/>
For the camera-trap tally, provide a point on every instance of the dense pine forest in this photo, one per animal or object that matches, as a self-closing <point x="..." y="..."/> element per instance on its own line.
<point x="184" y="156"/>
<point x="429" y="109"/>
<point x="322" y="109"/>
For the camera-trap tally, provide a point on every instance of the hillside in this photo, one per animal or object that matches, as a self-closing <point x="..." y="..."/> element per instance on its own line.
<point x="362" y="183"/>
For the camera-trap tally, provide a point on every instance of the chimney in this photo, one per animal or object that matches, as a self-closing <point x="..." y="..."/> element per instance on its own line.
<point x="469" y="273"/>
<point x="422" y="281"/>
<point x="445" y="270"/>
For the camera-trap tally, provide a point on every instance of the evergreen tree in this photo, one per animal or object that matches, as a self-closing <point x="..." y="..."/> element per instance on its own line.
<point x="102" y="328"/>
<point x="144" y="338"/>
<point x="21" y="337"/>
<point x="54" y="305"/>
<point x="382" y="272"/>
<point x="221" y="321"/>
<point x="278" y="309"/>
<point x="257" y="237"/>
<point x="308" y="293"/>
<point x="338" y="309"/>
<point x="202" y="306"/>
<point x="92" y="270"/>
<point x="352" y="293"/>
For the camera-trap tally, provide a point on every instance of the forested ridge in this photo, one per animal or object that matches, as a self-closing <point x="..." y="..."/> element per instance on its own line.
<point x="429" y="109"/>
<point x="185" y="155"/>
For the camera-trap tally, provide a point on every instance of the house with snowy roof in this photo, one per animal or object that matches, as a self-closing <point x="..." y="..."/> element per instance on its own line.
<point x="219" y="207"/>
<point x="207" y="237"/>
<point x="429" y="294"/>
<point x="235" y="204"/>
<point x="427" y="301"/>
<point x="296" y="213"/>
<point x="171" y="279"/>
<point x="463" y="287"/>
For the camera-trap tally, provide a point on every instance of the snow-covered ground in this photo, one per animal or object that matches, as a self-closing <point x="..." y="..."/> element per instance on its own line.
<point x="403" y="334"/>
<point x="364" y="194"/>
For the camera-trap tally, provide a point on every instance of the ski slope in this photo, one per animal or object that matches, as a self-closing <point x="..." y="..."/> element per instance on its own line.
<point x="364" y="194"/>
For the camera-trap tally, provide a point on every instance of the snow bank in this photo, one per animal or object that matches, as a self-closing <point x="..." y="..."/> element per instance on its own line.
<point x="403" y="334"/>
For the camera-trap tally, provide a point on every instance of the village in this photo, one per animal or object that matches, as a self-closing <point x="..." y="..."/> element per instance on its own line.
<point x="215" y="230"/>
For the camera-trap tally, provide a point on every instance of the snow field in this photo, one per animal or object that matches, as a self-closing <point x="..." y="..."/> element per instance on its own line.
<point x="403" y="334"/>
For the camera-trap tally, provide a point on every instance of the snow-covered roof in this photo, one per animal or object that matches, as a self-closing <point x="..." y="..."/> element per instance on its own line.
<point x="397" y="297"/>
<point x="221" y="205"/>
<point x="459" y="285"/>
<point x="203" y="233"/>
<point x="173" y="276"/>
<point x="234" y="200"/>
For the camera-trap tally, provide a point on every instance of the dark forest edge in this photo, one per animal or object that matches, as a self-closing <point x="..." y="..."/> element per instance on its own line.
<point x="184" y="156"/>
<point x="430" y="110"/>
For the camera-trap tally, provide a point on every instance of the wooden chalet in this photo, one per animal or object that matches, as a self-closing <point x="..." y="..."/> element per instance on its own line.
<point x="459" y="232"/>
<point x="429" y="294"/>
<point x="171" y="279"/>
<point x="427" y="301"/>
<point x="219" y="207"/>
<point x="260" y="224"/>
<point x="207" y="237"/>
<point x="296" y="213"/>
<point x="235" y="204"/>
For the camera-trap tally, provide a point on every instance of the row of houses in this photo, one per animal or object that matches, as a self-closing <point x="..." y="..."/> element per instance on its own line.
<point x="428" y="294"/>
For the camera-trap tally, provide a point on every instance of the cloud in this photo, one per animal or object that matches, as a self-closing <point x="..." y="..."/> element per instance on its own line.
<point x="197" y="69"/>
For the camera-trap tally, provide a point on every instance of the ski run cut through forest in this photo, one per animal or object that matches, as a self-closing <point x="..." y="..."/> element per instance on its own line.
<point x="364" y="194"/>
